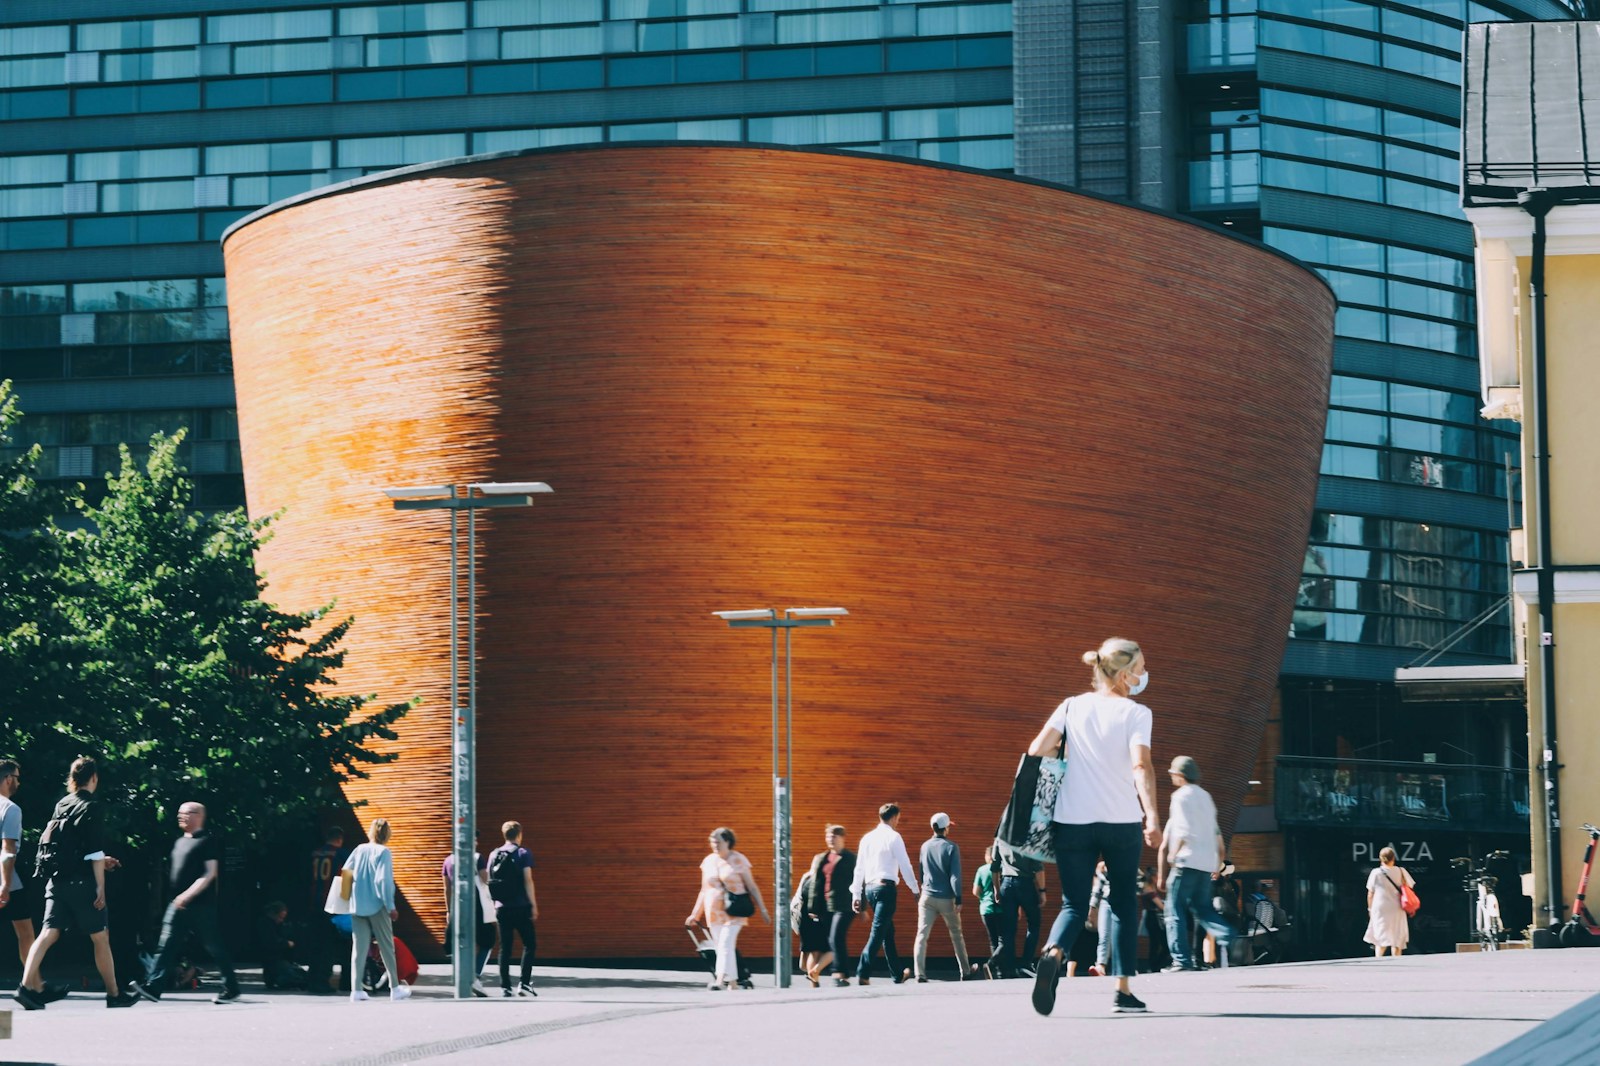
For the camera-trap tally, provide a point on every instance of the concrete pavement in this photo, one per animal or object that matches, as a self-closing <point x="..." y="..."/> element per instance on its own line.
<point x="1444" y="1009"/>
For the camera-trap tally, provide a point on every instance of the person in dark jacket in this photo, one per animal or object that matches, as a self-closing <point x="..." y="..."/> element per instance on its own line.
<point x="75" y="891"/>
<point x="828" y="903"/>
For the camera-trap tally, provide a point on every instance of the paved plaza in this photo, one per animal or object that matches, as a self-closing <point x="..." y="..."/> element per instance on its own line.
<point x="1420" y="1009"/>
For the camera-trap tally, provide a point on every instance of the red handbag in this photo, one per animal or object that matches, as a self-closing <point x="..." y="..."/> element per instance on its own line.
<point x="1408" y="896"/>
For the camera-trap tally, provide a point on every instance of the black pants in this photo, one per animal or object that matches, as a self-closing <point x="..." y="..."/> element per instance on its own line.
<point x="838" y="929"/>
<point x="517" y="920"/>
<point x="881" y="898"/>
<point x="328" y="948"/>
<point x="200" y="921"/>
<point x="1017" y="893"/>
<point x="1078" y="848"/>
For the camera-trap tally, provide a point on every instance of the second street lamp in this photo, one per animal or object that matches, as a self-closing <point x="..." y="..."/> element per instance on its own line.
<point x="782" y="800"/>
<point x="464" y="759"/>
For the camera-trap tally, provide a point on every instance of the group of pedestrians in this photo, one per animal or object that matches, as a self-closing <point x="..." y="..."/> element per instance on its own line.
<point x="71" y="868"/>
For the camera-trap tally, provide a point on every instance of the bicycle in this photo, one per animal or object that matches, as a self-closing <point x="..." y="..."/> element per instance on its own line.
<point x="1486" y="927"/>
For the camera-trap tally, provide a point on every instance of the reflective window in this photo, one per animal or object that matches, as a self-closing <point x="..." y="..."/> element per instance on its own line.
<point x="31" y="40"/>
<point x="32" y="169"/>
<point x="540" y="44"/>
<point x="272" y="58"/>
<point x="713" y="130"/>
<point x="32" y="299"/>
<point x="434" y="48"/>
<point x="541" y="12"/>
<point x="269" y="26"/>
<point x="139" y="163"/>
<point x="400" y="151"/>
<point x="833" y="26"/>
<point x="149" y="66"/>
<point x="19" y="73"/>
<point x="145" y="33"/>
<point x="848" y="128"/>
<point x="951" y="19"/>
<point x="950" y="122"/>
<point x="147" y="196"/>
<point x="403" y="18"/>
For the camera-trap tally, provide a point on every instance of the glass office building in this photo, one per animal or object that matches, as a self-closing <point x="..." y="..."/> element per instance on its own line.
<point x="136" y="131"/>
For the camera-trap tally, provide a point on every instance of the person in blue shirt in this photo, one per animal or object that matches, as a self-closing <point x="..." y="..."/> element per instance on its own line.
<point x="372" y="909"/>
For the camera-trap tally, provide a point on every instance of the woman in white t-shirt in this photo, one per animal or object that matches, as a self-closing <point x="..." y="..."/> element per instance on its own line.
<point x="1106" y="810"/>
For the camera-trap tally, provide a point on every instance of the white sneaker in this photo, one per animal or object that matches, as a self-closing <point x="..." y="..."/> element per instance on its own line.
<point x="359" y="996"/>
<point x="478" y="989"/>
<point x="401" y="991"/>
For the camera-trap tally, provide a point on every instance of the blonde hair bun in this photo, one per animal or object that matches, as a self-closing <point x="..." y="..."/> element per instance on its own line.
<point x="1113" y="657"/>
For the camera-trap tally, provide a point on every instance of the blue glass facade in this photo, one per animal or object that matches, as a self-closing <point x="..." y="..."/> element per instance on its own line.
<point x="137" y="131"/>
<point x="1331" y="129"/>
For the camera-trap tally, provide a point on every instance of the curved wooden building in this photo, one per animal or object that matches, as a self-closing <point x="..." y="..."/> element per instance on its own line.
<point x="997" y="420"/>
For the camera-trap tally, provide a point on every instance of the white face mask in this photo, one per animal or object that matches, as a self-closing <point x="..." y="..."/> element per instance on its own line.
<point x="1139" y="685"/>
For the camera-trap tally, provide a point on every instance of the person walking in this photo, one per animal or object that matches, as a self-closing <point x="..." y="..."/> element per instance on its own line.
<point x="828" y="899"/>
<point x="1193" y="848"/>
<point x="327" y="944"/>
<point x="516" y="906"/>
<point x="1387" y="924"/>
<point x="940" y="861"/>
<point x="16" y="899"/>
<point x="1108" y="789"/>
<point x="485" y="913"/>
<point x="987" y="893"/>
<point x="726" y="877"/>
<point x="1021" y="889"/>
<point x="372" y="910"/>
<point x="72" y="863"/>
<point x="192" y="882"/>
<point x="880" y="864"/>
<point x="1103" y="920"/>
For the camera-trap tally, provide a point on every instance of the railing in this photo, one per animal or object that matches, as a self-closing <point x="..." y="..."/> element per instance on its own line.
<point x="1365" y="793"/>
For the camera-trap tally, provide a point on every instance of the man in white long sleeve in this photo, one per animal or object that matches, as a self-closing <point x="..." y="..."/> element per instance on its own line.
<point x="880" y="863"/>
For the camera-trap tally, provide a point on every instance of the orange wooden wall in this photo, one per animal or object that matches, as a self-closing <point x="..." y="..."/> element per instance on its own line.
<point x="996" y="420"/>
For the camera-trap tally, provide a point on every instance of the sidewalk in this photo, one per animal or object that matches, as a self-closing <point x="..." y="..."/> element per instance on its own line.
<point x="1444" y="1009"/>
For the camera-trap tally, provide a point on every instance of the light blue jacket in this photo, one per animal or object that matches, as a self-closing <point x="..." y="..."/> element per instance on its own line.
<point x="373" y="891"/>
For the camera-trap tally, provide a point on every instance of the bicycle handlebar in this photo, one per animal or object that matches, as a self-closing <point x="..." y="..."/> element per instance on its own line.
<point x="1591" y="830"/>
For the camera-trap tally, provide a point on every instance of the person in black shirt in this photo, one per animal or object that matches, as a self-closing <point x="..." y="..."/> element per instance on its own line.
<point x="73" y="864"/>
<point x="192" y="879"/>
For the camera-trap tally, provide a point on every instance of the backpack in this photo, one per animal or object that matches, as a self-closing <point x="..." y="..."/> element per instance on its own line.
<point x="505" y="877"/>
<point x="59" y="845"/>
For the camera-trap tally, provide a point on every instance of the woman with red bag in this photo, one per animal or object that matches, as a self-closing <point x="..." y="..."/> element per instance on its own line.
<point x="1387" y="925"/>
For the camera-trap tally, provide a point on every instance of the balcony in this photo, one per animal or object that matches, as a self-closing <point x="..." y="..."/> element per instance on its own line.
<point x="1368" y="794"/>
<point x="1222" y="44"/>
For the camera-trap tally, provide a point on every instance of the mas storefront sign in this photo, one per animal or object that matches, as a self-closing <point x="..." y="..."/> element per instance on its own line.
<point x="1405" y="850"/>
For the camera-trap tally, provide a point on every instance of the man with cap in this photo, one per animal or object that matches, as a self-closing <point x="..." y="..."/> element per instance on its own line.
<point x="1192" y="846"/>
<point x="941" y="895"/>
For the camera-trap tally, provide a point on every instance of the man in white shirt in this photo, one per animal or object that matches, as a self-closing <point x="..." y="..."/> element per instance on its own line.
<point x="16" y="901"/>
<point x="1193" y="847"/>
<point x="880" y="863"/>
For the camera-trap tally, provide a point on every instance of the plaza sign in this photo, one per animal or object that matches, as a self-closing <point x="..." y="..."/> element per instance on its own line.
<point x="1406" y="850"/>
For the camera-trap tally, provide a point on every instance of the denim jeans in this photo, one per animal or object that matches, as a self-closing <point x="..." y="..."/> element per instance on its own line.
<point x="1017" y="893"/>
<point x="1108" y="923"/>
<point x="838" y="929"/>
<point x="177" y="924"/>
<point x="517" y="920"/>
<point x="1078" y="849"/>
<point x="1189" y="894"/>
<point x="881" y="898"/>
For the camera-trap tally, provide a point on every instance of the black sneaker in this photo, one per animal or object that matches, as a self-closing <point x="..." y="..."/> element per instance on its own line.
<point x="903" y="977"/>
<point x="1127" y="1003"/>
<point x="29" y="999"/>
<point x="143" y="992"/>
<point x="922" y="980"/>
<point x="53" y="992"/>
<point x="227" y="995"/>
<point x="506" y="993"/>
<point x="1025" y="970"/>
<point x="1044" y="983"/>
<point x="121" y="1000"/>
<point x="525" y="989"/>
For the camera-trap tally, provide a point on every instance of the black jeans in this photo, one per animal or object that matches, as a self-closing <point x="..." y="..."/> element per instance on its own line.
<point x="1017" y="893"/>
<point x="517" y="920"/>
<point x="881" y="898"/>
<point x="1078" y="848"/>
<point x="838" y="928"/>
<point x="200" y="920"/>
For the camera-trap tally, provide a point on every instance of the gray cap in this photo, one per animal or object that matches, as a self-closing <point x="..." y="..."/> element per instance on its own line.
<point x="1185" y="765"/>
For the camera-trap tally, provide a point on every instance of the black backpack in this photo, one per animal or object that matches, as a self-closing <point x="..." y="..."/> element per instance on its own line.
<point x="505" y="877"/>
<point x="60" y="850"/>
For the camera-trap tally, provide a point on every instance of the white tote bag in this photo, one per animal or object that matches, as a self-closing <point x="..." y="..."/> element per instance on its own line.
<point x="336" y="903"/>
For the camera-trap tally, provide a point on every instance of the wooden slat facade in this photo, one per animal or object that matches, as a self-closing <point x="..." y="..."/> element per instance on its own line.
<point x="997" y="420"/>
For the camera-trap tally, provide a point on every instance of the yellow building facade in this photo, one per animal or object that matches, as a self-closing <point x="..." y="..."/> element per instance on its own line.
<point x="1531" y="188"/>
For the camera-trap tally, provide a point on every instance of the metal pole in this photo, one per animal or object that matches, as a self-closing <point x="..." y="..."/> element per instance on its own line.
<point x="780" y="953"/>
<point x="462" y="947"/>
<point x="786" y="795"/>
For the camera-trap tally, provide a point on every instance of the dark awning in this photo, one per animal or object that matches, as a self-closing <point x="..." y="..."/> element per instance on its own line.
<point x="1531" y="109"/>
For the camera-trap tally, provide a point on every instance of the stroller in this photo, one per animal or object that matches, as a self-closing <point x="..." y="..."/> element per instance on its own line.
<point x="700" y="937"/>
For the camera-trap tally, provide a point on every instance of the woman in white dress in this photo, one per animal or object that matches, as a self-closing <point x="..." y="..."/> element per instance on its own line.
<point x="1387" y="925"/>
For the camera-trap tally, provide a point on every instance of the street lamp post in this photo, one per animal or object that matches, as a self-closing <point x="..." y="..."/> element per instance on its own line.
<point x="782" y="784"/>
<point x="463" y="748"/>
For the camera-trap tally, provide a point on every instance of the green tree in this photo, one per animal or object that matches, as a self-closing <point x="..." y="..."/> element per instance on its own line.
<point x="185" y="678"/>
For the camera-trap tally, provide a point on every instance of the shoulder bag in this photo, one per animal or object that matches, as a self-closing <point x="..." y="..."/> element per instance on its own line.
<point x="1026" y="823"/>
<point x="1409" y="902"/>
<point x="737" y="904"/>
